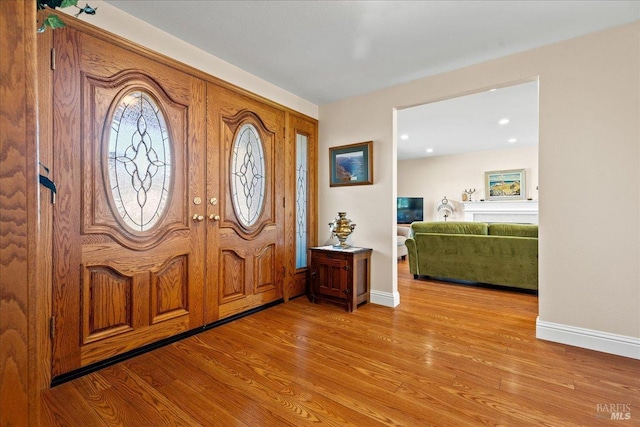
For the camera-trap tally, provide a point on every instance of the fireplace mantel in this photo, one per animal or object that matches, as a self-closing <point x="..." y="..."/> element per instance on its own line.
<point x="521" y="211"/>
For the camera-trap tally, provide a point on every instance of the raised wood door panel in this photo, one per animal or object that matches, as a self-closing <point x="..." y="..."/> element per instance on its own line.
<point x="123" y="277"/>
<point x="245" y="257"/>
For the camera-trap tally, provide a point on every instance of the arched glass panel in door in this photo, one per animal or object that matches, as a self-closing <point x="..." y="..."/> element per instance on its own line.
<point x="248" y="181"/>
<point x="139" y="160"/>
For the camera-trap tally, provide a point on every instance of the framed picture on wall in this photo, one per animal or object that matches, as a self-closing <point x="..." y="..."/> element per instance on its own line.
<point x="351" y="164"/>
<point x="505" y="185"/>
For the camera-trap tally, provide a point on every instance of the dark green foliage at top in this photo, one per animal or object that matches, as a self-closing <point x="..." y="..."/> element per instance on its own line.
<point x="53" y="21"/>
<point x="56" y="3"/>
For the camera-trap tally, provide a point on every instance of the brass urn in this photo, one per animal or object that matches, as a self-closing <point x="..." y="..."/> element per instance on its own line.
<point x="341" y="227"/>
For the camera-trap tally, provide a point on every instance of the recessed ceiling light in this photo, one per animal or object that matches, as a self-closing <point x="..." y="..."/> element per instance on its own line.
<point x="429" y="150"/>
<point x="404" y="137"/>
<point x="512" y="140"/>
<point x="493" y="90"/>
<point x="503" y="121"/>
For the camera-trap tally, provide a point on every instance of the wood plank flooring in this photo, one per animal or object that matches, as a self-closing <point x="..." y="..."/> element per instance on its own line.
<point x="448" y="355"/>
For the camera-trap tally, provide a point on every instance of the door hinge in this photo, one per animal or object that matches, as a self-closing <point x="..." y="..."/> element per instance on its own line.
<point x="53" y="58"/>
<point x="52" y="327"/>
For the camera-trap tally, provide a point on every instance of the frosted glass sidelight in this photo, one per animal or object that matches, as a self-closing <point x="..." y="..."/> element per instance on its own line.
<point x="247" y="175"/>
<point x="301" y="200"/>
<point x="139" y="159"/>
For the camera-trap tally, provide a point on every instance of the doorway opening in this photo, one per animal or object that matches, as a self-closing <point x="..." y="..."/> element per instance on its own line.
<point x="446" y="148"/>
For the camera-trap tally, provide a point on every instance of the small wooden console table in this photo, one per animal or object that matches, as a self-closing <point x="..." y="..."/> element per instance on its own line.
<point x="340" y="275"/>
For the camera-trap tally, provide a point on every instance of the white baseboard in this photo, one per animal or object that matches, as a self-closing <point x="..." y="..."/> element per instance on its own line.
<point x="387" y="299"/>
<point x="587" y="338"/>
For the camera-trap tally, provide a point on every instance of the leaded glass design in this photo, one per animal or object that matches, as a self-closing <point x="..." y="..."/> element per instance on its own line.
<point x="301" y="200"/>
<point x="247" y="175"/>
<point x="139" y="159"/>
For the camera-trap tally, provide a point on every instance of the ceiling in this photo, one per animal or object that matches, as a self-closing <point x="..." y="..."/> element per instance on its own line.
<point x="471" y="123"/>
<point x="324" y="51"/>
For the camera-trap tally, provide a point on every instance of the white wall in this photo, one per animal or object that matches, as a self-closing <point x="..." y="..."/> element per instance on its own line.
<point x="436" y="177"/>
<point x="133" y="29"/>
<point x="589" y="163"/>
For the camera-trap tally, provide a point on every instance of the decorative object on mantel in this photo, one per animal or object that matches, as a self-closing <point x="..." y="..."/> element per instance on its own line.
<point x="444" y="208"/>
<point x="53" y="21"/>
<point x="505" y="185"/>
<point x="341" y="227"/>
<point x="467" y="194"/>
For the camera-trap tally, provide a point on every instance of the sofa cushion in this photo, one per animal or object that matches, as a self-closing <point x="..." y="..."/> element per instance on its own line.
<point x="517" y="230"/>
<point x="451" y="227"/>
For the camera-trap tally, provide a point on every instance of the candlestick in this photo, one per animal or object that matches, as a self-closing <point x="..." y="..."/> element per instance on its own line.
<point x="469" y="192"/>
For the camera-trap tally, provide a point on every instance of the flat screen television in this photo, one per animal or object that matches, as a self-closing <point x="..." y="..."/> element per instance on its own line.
<point x="410" y="209"/>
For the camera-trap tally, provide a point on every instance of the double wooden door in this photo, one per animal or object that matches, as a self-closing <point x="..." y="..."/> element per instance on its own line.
<point x="169" y="209"/>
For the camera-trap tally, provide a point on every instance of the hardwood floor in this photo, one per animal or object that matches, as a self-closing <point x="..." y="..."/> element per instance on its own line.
<point x="448" y="355"/>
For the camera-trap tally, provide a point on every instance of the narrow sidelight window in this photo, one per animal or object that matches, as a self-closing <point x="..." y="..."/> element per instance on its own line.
<point x="302" y="189"/>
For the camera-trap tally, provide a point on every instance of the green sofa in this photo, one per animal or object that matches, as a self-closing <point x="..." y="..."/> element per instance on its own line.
<point x="497" y="254"/>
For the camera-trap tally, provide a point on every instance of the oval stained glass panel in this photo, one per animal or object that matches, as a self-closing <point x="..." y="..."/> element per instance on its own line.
<point x="139" y="161"/>
<point x="247" y="175"/>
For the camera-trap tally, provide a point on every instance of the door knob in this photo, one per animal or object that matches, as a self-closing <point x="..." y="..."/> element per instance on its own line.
<point x="198" y="218"/>
<point x="213" y="217"/>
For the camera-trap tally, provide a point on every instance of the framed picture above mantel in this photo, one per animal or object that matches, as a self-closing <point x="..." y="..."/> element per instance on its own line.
<point x="351" y="164"/>
<point x="505" y="185"/>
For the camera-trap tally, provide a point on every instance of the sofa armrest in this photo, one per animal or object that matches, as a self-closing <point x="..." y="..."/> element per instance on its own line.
<point x="404" y="231"/>
<point x="412" y="251"/>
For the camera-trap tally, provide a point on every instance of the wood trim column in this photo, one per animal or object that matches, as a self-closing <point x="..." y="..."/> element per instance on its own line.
<point x="19" y="398"/>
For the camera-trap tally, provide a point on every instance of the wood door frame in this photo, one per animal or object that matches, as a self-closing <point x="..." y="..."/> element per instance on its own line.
<point x="23" y="375"/>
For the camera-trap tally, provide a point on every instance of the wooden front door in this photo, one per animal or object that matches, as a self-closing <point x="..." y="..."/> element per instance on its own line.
<point x="129" y="230"/>
<point x="245" y="140"/>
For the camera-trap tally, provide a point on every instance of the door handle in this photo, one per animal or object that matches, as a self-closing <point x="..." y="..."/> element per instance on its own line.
<point x="198" y="218"/>
<point x="213" y="217"/>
